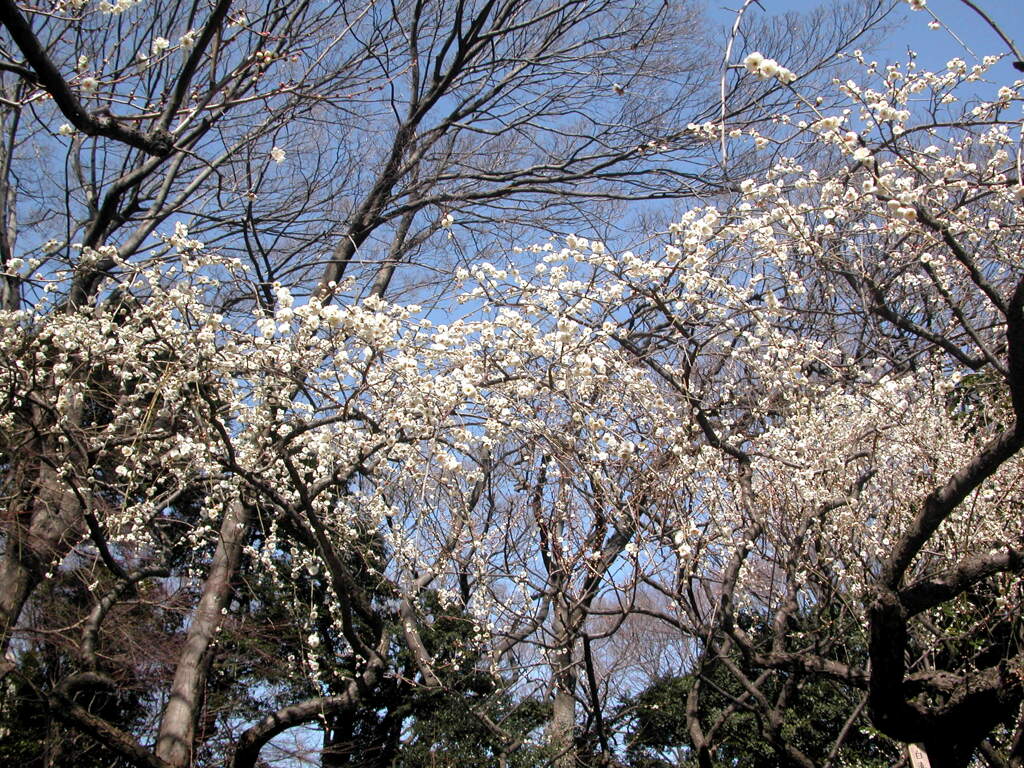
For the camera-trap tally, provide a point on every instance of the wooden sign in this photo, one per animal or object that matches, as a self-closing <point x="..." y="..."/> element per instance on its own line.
<point x="918" y="757"/>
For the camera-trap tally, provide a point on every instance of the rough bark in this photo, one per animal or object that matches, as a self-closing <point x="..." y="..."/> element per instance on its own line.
<point x="563" y="712"/>
<point x="177" y="727"/>
<point x="37" y="538"/>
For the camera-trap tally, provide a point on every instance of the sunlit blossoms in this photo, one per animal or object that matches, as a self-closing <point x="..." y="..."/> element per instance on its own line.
<point x="783" y="431"/>
<point x="766" y="69"/>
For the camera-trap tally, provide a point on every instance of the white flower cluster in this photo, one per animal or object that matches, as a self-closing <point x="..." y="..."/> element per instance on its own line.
<point x="757" y="64"/>
<point x="180" y="239"/>
<point x="117" y="7"/>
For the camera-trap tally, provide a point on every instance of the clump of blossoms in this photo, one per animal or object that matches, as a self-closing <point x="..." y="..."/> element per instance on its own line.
<point x="367" y="417"/>
<point x="765" y="68"/>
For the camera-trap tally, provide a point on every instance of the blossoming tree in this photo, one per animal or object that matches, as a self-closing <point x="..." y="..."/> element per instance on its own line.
<point x="847" y="348"/>
<point x="786" y="428"/>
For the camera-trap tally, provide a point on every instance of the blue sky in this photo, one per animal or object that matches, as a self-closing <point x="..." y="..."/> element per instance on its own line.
<point x="936" y="47"/>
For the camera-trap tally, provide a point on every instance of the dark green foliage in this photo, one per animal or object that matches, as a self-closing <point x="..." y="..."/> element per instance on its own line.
<point x="815" y="714"/>
<point x="410" y="726"/>
<point x="444" y="726"/>
<point x="446" y="732"/>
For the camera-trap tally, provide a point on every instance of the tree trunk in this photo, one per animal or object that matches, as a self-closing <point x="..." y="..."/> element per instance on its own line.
<point x="949" y="753"/>
<point x="16" y="583"/>
<point x="177" y="728"/>
<point x="563" y="714"/>
<point x="54" y="526"/>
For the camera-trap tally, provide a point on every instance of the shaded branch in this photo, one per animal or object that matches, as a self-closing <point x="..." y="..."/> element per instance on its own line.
<point x="157" y="142"/>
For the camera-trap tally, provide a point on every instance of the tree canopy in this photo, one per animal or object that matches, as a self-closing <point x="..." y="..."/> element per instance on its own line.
<point x="346" y="418"/>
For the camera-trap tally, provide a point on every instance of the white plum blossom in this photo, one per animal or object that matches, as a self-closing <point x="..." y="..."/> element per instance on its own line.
<point x="117" y="7"/>
<point x="752" y="62"/>
<point x="765" y="68"/>
<point x="862" y="154"/>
